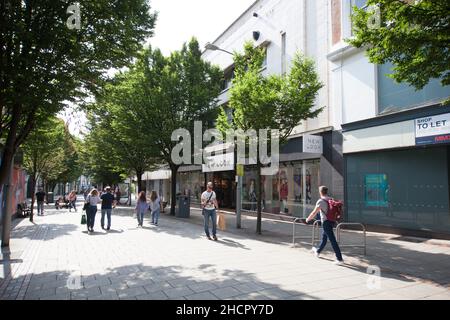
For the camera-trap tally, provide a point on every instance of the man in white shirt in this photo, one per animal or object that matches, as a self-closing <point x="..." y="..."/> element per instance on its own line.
<point x="209" y="205"/>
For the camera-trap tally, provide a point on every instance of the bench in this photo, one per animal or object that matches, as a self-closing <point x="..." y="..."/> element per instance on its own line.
<point x="23" y="210"/>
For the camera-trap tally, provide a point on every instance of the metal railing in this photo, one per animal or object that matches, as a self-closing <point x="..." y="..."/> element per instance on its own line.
<point x="315" y="227"/>
<point x="315" y="237"/>
<point x="338" y="235"/>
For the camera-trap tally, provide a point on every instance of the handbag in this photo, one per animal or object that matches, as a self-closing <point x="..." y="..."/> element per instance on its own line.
<point x="221" y="222"/>
<point x="86" y="204"/>
<point x="83" y="219"/>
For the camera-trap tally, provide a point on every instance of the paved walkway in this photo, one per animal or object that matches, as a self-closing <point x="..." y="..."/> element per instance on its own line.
<point x="54" y="258"/>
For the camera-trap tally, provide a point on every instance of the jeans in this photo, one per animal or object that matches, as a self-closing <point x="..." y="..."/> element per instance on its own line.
<point x="328" y="233"/>
<point x="72" y="205"/>
<point x="40" y="207"/>
<point x="140" y="217"/>
<point x="210" y="213"/>
<point x="108" y="215"/>
<point x="155" y="216"/>
<point x="90" y="213"/>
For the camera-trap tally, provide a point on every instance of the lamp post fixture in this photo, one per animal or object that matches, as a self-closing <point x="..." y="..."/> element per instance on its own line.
<point x="213" y="47"/>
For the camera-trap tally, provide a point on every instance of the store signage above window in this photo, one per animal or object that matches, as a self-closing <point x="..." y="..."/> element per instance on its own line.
<point x="312" y="144"/>
<point x="433" y="130"/>
<point x="223" y="162"/>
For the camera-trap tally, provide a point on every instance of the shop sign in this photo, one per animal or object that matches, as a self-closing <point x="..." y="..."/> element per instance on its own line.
<point x="433" y="130"/>
<point x="222" y="162"/>
<point x="312" y="144"/>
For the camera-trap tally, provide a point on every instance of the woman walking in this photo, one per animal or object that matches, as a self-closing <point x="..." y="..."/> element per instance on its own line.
<point x="72" y="200"/>
<point x="155" y="207"/>
<point x="141" y="207"/>
<point x="92" y="199"/>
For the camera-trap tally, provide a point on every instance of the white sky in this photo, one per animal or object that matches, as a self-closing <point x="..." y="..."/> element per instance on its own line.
<point x="178" y="21"/>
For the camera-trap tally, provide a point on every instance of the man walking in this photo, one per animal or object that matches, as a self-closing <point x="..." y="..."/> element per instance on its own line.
<point x="327" y="225"/>
<point x="40" y="198"/>
<point x="209" y="205"/>
<point x="108" y="202"/>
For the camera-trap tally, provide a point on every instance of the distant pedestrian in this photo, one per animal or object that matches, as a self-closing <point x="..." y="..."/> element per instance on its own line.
<point x="73" y="200"/>
<point x="108" y="202"/>
<point x="155" y="207"/>
<point x="92" y="199"/>
<point x="40" y="198"/>
<point x="209" y="206"/>
<point x="322" y="206"/>
<point x="118" y="195"/>
<point x="141" y="208"/>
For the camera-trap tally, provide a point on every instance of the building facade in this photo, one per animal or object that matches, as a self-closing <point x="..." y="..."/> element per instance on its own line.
<point x="395" y="141"/>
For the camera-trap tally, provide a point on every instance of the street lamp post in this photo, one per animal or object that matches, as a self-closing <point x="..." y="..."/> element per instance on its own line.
<point x="213" y="47"/>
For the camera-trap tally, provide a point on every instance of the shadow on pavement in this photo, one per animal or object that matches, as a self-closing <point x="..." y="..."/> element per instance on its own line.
<point x="152" y="283"/>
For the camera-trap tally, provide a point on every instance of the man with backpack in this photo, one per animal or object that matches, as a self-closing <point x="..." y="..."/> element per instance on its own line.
<point x="330" y="212"/>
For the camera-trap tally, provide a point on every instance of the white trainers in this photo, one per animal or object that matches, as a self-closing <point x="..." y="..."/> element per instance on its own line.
<point x="338" y="262"/>
<point x="314" y="250"/>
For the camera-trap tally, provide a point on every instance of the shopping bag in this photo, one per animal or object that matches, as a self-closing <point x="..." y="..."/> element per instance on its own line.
<point x="83" y="219"/>
<point x="221" y="222"/>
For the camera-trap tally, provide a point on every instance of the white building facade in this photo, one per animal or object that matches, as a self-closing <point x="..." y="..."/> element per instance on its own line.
<point x="395" y="140"/>
<point x="283" y="27"/>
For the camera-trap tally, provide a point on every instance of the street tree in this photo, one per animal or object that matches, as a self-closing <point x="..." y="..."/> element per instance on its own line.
<point x="162" y="94"/>
<point x="274" y="102"/>
<point x="412" y="35"/>
<point x="47" y="60"/>
<point x="44" y="151"/>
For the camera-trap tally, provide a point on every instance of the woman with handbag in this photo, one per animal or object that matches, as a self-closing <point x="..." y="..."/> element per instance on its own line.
<point x="92" y="200"/>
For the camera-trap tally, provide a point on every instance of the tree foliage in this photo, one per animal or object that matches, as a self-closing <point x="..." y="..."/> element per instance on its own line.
<point x="412" y="35"/>
<point x="270" y="102"/>
<point x="158" y="95"/>
<point x="44" y="64"/>
<point x="50" y="154"/>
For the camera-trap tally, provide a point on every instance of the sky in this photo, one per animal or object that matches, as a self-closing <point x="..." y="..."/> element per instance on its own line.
<point x="178" y="21"/>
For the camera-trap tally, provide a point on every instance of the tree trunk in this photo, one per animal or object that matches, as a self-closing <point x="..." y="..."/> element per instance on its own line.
<point x="139" y="174"/>
<point x="173" y="195"/>
<point x="259" y="198"/>
<point x="10" y="146"/>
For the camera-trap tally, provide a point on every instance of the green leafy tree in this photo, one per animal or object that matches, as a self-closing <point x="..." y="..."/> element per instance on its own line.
<point x="44" y="151"/>
<point x="270" y="102"/>
<point x="162" y="94"/>
<point x="96" y="154"/>
<point x="412" y="35"/>
<point x="44" y="63"/>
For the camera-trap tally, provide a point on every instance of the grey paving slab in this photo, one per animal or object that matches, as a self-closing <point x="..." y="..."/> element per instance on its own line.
<point x="178" y="292"/>
<point x="183" y="265"/>
<point x="225" y="293"/>
<point x="202" y="296"/>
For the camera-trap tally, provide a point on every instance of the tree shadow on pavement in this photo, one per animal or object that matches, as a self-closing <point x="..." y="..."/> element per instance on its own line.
<point x="142" y="282"/>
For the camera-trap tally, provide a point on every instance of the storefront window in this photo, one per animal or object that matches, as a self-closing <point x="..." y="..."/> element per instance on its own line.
<point x="292" y="191"/>
<point x="394" y="96"/>
<point x="406" y="189"/>
<point x="191" y="184"/>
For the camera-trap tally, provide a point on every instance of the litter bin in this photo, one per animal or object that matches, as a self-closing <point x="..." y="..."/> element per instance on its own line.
<point x="183" y="208"/>
<point x="50" y="197"/>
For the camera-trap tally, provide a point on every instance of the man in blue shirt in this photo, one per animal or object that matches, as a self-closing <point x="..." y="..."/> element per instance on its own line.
<point x="108" y="202"/>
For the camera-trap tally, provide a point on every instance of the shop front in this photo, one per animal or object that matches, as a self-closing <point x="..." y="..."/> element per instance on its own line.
<point x="306" y="163"/>
<point x="401" y="185"/>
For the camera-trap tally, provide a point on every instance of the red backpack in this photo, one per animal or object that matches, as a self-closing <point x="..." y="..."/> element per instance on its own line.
<point x="335" y="210"/>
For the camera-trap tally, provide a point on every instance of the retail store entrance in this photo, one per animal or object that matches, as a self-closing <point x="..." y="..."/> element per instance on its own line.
<point x="225" y="188"/>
